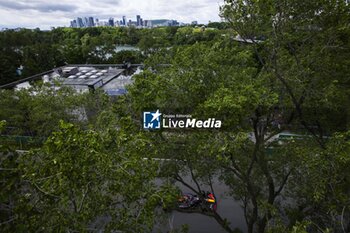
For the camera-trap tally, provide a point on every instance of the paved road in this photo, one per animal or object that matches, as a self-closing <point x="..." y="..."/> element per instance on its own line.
<point x="227" y="208"/>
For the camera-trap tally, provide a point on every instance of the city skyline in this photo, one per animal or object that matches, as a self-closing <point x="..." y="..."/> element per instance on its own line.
<point x="45" y="14"/>
<point x="83" y="22"/>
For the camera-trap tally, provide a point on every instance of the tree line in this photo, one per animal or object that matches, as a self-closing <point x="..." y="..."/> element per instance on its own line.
<point x="37" y="51"/>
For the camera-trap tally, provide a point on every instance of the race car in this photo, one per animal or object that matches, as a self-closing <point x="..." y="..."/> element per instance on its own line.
<point x="192" y="201"/>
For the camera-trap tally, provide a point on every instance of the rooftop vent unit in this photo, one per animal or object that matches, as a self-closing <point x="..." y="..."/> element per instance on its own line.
<point x="67" y="71"/>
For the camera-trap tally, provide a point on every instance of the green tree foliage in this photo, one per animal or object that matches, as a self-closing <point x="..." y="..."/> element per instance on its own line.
<point x="83" y="180"/>
<point x="38" y="51"/>
<point x="286" y="77"/>
<point x="218" y="25"/>
<point x="286" y="71"/>
<point x="302" y="47"/>
<point x="37" y="111"/>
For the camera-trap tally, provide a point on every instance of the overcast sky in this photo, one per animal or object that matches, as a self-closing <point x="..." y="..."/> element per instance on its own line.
<point x="45" y="13"/>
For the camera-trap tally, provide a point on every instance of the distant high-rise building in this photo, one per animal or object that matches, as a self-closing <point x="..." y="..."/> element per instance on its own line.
<point x="73" y="23"/>
<point x="141" y="22"/>
<point x="138" y="20"/>
<point x="91" y="22"/>
<point x="80" y="23"/>
<point x="86" y="22"/>
<point x="111" y="22"/>
<point x="124" y="20"/>
<point x="194" y="23"/>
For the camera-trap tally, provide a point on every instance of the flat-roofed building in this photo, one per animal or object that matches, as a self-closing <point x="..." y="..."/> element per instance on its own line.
<point x="113" y="79"/>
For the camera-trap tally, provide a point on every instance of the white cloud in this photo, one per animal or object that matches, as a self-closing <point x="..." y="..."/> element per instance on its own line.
<point x="45" y="13"/>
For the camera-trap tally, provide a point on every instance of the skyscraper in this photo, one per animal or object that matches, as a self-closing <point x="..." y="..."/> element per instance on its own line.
<point x="73" y="24"/>
<point x="111" y="22"/>
<point x="138" y="20"/>
<point x="80" y="23"/>
<point x="124" y="20"/>
<point x="91" y="22"/>
<point x="141" y="22"/>
<point x="86" y="22"/>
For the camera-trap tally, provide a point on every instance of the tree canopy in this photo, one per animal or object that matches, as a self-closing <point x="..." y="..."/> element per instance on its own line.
<point x="272" y="67"/>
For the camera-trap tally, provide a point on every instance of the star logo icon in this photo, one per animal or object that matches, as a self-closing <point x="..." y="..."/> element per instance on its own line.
<point x="156" y="115"/>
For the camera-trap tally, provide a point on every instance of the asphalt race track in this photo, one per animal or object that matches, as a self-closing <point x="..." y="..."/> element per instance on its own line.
<point x="198" y="223"/>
